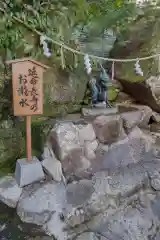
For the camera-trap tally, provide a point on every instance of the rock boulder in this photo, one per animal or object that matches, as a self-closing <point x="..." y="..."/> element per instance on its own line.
<point x="131" y="119"/>
<point x="109" y="129"/>
<point x="74" y="145"/>
<point x="64" y="139"/>
<point x="88" y="236"/>
<point x="10" y="192"/>
<point x="106" y="191"/>
<point x="142" y="93"/>
<point x="40" y="201"/>
<point x="131" y="223"/>
<point x="133" y="149"/>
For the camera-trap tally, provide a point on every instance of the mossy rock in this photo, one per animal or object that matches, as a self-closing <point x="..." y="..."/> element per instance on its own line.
<point x="61" y="109"/>
<point x="112" y="93"/>
<point x="63" y="92"/>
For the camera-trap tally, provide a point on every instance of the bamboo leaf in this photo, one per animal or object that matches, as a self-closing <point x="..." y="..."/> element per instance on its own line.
<point x="28" y="48"/>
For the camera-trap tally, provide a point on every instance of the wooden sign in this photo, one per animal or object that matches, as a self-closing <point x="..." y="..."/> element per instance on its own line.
<point x="27" y="84"/>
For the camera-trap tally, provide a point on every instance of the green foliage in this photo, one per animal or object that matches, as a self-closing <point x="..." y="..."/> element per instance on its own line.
<point x="59" y="20"/>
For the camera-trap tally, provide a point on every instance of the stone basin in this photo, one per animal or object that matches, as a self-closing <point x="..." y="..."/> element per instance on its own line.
<point x="123" y="109"/>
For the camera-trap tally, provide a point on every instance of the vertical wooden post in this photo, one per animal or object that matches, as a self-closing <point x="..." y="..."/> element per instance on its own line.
<point x="28" y="138"/>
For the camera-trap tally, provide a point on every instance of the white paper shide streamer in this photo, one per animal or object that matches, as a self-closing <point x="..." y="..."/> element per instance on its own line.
<point x="43" y="42"/>
<point x="87" y="64"/>
<point x="138" y="69"/>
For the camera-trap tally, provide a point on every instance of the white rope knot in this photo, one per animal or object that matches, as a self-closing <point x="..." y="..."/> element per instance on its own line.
<point x="138" y="69"/>
<point x="87" y="64"/>
<point x="43" y="42"/>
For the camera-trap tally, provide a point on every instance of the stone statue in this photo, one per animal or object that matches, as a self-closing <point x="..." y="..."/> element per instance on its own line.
<point x="98" y="87"/>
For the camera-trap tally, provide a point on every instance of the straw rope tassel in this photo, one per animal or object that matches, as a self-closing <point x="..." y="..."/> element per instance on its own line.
<point x="62" y="58"/>
<point x="75" y="60"/>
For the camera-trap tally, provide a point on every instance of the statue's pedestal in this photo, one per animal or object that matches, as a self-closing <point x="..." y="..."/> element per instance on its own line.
<point x="100" y="105"/>
<point x="95" y="112"/>
<point x="28" y="172"/>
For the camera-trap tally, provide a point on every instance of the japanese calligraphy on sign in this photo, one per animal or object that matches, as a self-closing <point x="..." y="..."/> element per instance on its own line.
<point x="27" y="79"/>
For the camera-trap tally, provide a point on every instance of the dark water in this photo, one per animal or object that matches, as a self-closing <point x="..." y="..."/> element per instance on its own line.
<point x="9" y="229"/>
<point x="12" y="228"/>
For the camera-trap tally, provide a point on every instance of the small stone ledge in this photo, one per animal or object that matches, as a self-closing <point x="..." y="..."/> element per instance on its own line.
<point x="91" y="113"/>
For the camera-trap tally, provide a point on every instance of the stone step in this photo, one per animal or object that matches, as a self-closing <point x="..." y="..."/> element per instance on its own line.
<point x="95" y="112"/>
